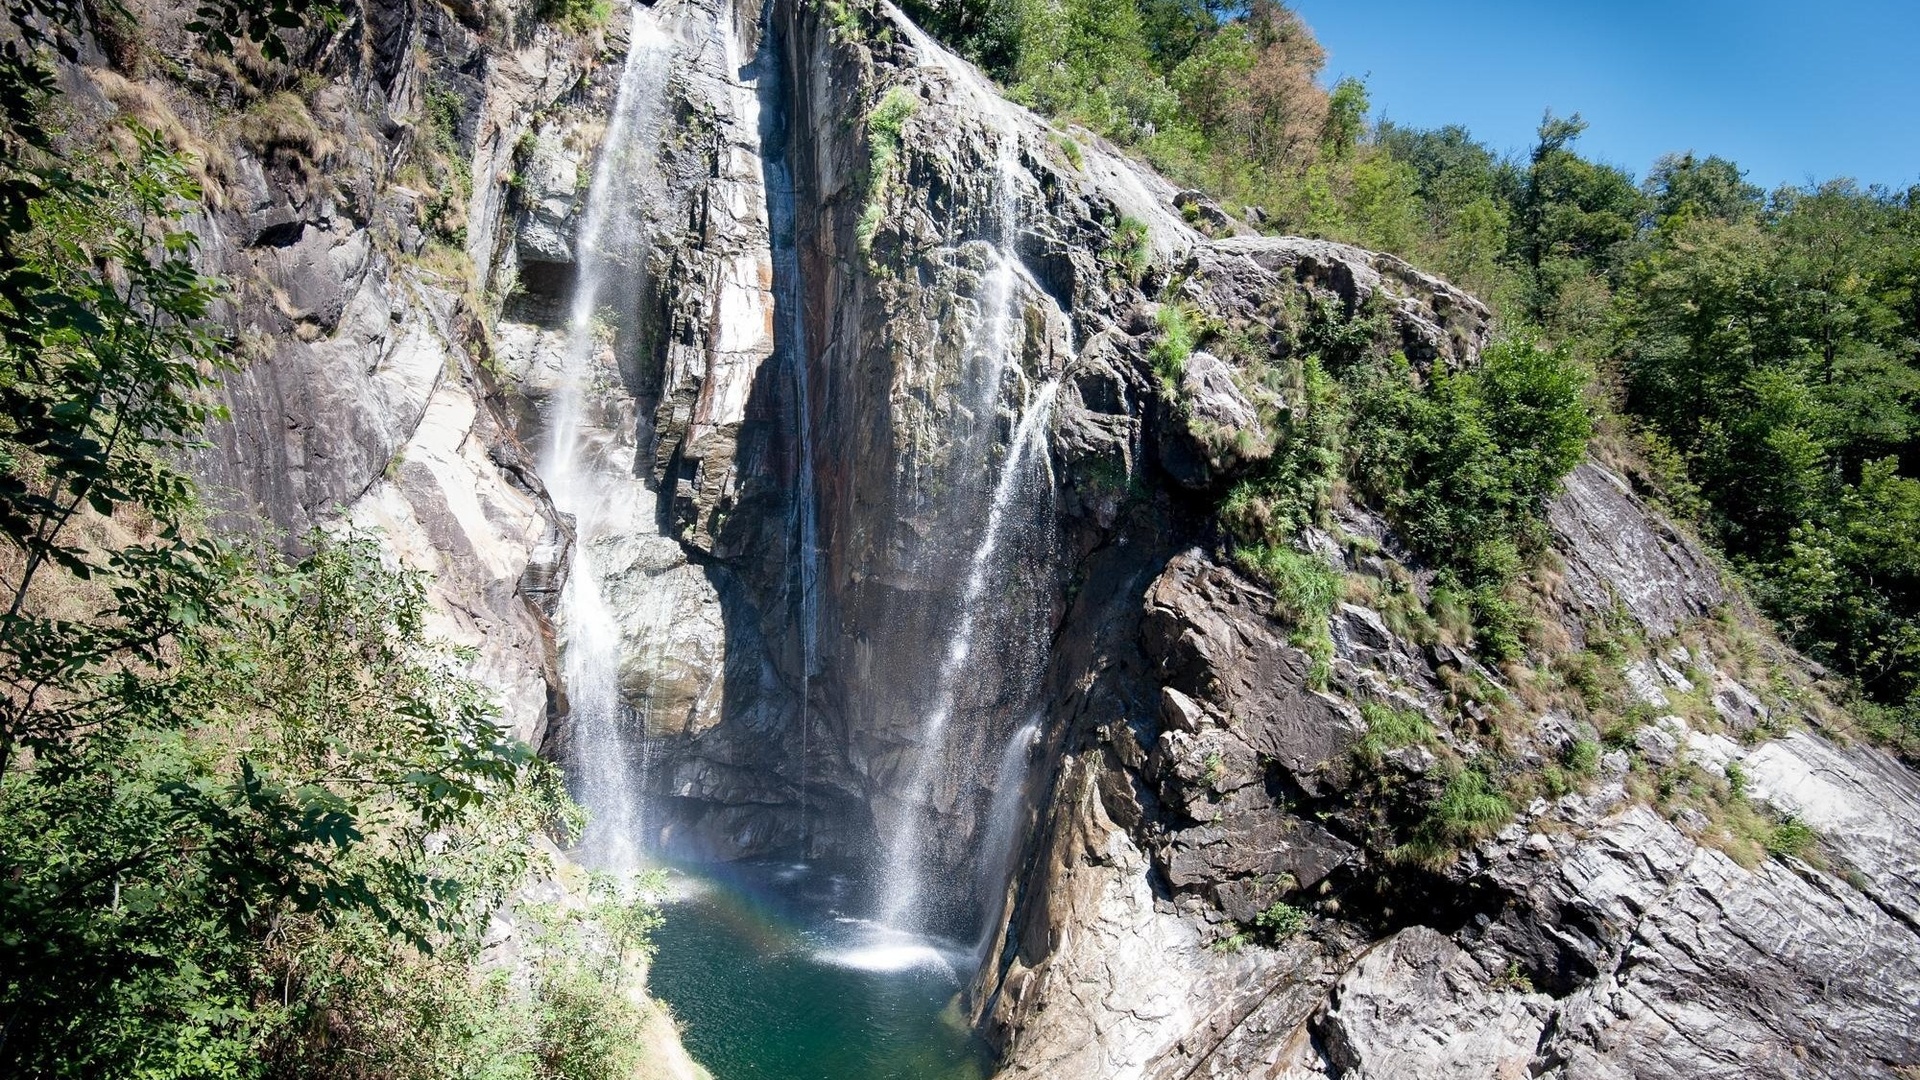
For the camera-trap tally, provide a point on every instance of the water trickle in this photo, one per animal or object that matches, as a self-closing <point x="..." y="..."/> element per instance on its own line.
<point x="576" y="467"/>
<point x="906" y="873"/>
<point x="804" y="527"/>
<point x="1003" y="820"/>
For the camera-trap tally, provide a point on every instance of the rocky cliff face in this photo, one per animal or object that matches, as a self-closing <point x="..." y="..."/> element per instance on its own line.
<point x="339" y="185"/>
<point x="862" y="290"/>
<point x="1199" y="771"/>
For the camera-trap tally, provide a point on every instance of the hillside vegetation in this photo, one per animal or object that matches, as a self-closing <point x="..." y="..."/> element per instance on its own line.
<point x="1752" y="354"/>
<point x="254" y="819"/>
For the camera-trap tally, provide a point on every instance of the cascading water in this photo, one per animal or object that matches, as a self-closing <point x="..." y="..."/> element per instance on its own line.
<point x="906" y="873"/>
<point x="1003" y="819"/>
<point x="574" y="466"/>
<point x="1019" y="507"/>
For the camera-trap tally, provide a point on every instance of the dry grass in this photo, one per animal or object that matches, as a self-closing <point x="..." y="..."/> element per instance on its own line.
<point x="209" y="164"/>
<point x="282" y="130"/>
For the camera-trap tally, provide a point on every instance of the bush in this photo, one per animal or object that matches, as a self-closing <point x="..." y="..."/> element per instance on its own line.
<point x="884" y="127"/>
<point x="1280" y="920"/>
<point x="578" y="16"/>
<point x="1293" y="485"/>
<point x="1178" y="335"/>
<point x="1305" y="588"/>
<point x="1791" y="839"/>
<point x="885" y="124"/>
<point x="1471" y="808"/>
<point x="1581" y="757"/>
<point x="1464" y="467"/>
<point x="1131" y="248"/>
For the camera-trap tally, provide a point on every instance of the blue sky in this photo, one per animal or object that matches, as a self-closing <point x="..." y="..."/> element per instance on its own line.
<point x="1790" y="91"/>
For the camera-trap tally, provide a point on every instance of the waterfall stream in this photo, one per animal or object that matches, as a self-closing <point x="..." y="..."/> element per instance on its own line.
<point x="906" y="871"/>
<point x="974" y="722"/>
<point x="603" y="758"/>
<point x="946" y="764"/>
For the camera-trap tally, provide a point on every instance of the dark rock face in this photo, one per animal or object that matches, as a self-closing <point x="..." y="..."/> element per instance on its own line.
<point x="365" y="397"/>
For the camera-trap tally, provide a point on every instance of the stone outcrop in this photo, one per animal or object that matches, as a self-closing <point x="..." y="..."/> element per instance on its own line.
<point x="1619" y="555"/>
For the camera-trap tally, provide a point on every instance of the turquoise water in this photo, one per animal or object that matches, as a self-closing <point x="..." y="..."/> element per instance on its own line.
<point x="771" y="977"/>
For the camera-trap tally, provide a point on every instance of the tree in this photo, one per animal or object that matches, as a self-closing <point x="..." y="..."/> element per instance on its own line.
<point x="1346" y="117"/>
<point x="1571" y="207"/>
<point x="1684" y="186"/>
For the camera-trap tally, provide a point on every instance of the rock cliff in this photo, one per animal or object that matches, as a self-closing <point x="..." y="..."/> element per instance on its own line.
<point x="881" y="439"/>
<point x="1198" y="769"/>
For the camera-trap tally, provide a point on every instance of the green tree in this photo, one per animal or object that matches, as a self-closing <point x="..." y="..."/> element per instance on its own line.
<point x="1683" y="186"/>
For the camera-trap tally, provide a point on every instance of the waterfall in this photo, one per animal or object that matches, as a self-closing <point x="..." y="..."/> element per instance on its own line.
<point x="790" y="340"/>
<point x="905" y="873"/>
<point x="1003" y="820"/>
<point x="573" y="468"/>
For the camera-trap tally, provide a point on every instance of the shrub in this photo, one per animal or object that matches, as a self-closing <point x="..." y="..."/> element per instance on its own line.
<point x="1791" y="838"/>
<point x="885" y="124"/>
<point x="1131" y="249"/>
<point x="1736" y="780"/>
<point x="1581" y="757"/>
<point x="578" y="16"/>
<point x="1470" y="808"/>
<point x="1305" y="588"/>
<point x="1295" y="482"/>
<point x="1465" y="466"/>
<point x="1178" y="335"/>
<point x="1280" y="920"/>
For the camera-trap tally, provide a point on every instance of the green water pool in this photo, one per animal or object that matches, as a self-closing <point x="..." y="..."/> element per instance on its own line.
<point x="771" y="976"/>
